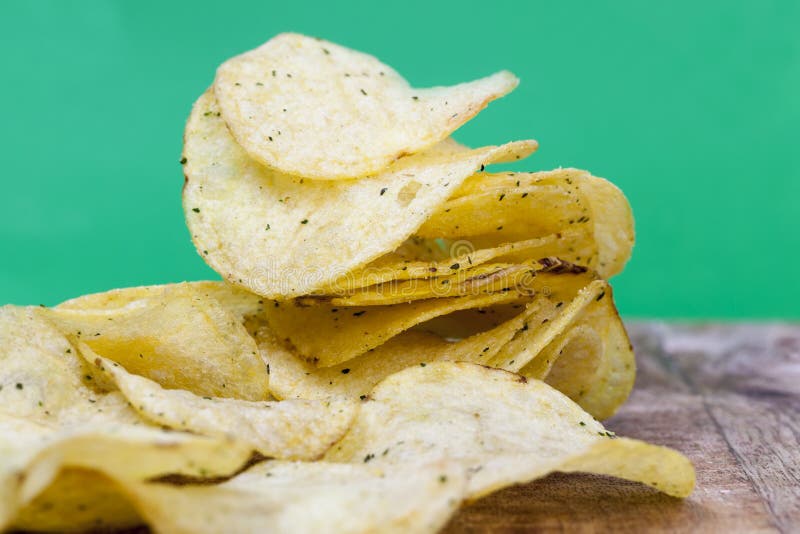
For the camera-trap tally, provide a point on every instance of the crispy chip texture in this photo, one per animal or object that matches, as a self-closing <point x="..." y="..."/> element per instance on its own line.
<point x="52" y="417"/>
<point x="293" y="429"/>
<point x="481" y="279"/>
<point x="342" y="333"/>
<point x="438" y="256"/>
<point x="565" y="331"/>
<point x="281" y="236"/>
<point x="287" y="497"/>
<point x="233" y="298"/>
<point x="78" y="500"/>
<point x="292" y="377"/>
<point x="492" y="209"/>
<point x="502" y="428"/>
<point x="312" y="108"/>
<point x="173" y="334"/>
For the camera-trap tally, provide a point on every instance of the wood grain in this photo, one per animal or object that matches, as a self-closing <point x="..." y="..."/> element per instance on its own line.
<point x="727" y="396"/>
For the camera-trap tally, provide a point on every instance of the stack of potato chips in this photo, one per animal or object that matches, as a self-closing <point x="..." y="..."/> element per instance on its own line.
<point x="331" y="383"/>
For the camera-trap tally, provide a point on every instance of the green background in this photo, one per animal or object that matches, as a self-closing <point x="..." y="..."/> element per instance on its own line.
<point x="692" y="108"/>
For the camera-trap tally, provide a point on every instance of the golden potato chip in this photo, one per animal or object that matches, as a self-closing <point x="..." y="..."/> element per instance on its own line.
<point x="554" y="320"/>
<point x="78" y="500"/>
<point x="507" y="207"/>
<point x="281" y="236"/>
<point x="287" y="497"/>
<point x="600" y="329"/>
<point x="171" y="334"/>
<point x="233" y="298"/>
<point x="508" y="215"/>
<point x="478" y="280"/>
<point x="33" y="454"/>
<point x="312" y="108"/>
<point x="397" y="267"/>
<point x="41" y="375"/>
<point x="342" y="333"/>
<point x="51" y="417"/>
<point x="292" y="429"/>
<point x="291" y="377"/>
<point x="502" y="428"/>
<point x="581" y="347"/>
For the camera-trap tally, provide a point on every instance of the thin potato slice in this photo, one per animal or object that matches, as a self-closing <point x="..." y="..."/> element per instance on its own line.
<point x="508" y="215"/>
<point x="603" y="392"/>
<point x="455" y="280"/>
<point x="78" y="500"/>
<point x="312" y="108"/>
<point x="327" y="335"/>
<point x="291" y="377"/>
<point x="571" y="337"/>
<point x="530" y="343"/>
<point x="494" y="208"/>
<point x="233" y="298"/>
<point x="581" y="347"/>
<point x="432" y="262"/>
<point x="479" y="280"/>
<point x="52" y="417"/>
<point x="292" y="430"/>
<point x="280" y="236"/>
<point x="33" y="454"/>
<point x="172" y="334"/>
<point x="319" y="497"/>
<point x="502" y="428"/>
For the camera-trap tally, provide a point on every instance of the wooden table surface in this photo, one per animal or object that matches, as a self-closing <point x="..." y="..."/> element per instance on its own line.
<point x="727" y="396"/>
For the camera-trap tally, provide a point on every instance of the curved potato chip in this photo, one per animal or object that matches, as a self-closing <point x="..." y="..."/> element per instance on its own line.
<point x="33" y="454"/>
<point x="51" y="417"/>
<point x="234" y="298"/>
<point x="603" y="392"/>
<point x="172" y="334"/>
<point x="292" y="430"/>
<point x="507" y="207"/>
<point x="340" y="334"/>
<point x="396" y="267"/>
<point x="509" y="215"/>
<point x="286" y="497"/>
<point x="481" y="279"/>
<point x="312" y="108"/>
<point x="280" y="236"/>
<point x="291" y="377"/>
<point x="78" y="500"/>
<point x="502" y="428"/>
<point x="581" y="348"/>
<point x="40" y="374"/>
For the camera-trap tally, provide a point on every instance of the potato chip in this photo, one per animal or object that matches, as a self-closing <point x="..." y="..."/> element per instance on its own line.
<point x="342" y="333"/>
<point x="581" y="347"/>
<point x="292" y="429"/>
<point x="312" y="108"/>
<point x="510" y="207"/>
<point x="291" y="377"/>
<point x="78" y="500"/>
<point x="281" y="236"/>
<point x="233" y="298"/>
<point x="287" y="497"/>
<point x="502" y="428"/>
<point x="52" y="417"/>
<point x="571" y="337"/>
<point x="33" y="455"/>
<point x="478" y="280"/>
<point x="454" y="280"/>
<point x="397" y="267"/>
<point x="171" y="334"/>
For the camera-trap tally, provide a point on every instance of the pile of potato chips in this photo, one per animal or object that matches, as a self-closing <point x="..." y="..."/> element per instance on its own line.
<point x="400" y="331"/>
